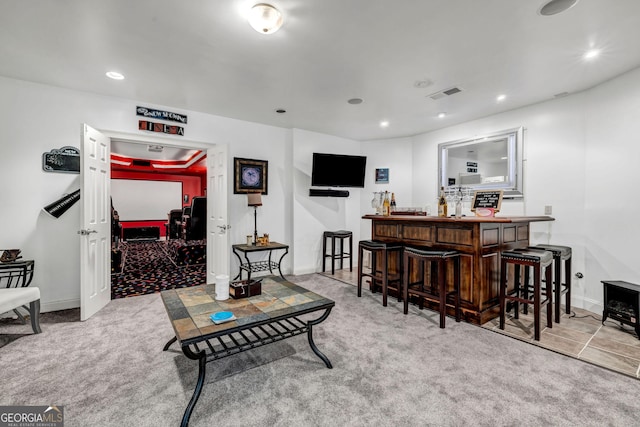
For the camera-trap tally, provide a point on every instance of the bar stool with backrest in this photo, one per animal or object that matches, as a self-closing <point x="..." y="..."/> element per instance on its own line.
<point x="380" y="274"/>
<point x="560" y="253"/>
<point x="538" y="261"/>
<point x="436" y="289"/>
<point x="340" y="236"/>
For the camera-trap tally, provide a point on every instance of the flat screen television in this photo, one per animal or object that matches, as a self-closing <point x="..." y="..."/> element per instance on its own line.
<point x="338" y="170"/>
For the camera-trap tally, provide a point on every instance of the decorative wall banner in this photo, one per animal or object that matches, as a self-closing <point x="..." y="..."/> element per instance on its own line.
<point x="63" y="160"/>
<point x="162" y="115"/>
<point x="60" y="206"/>
<point x="160" y="127"/>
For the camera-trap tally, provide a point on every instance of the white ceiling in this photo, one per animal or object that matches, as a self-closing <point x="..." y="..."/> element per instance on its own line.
<point x="141" y="151"/>
<point x="202" y="55"/>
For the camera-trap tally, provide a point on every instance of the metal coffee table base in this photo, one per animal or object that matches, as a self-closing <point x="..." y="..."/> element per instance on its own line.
<point x="241" y="339"/>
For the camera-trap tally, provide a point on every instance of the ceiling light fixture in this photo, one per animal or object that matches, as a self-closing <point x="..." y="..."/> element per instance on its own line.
<point x="501" y="98"/>
<point x="442" y="115"/>
<point x="265" y="18"/>
<point x="554" y="7"/>
<point x="281" y="111"/>
<point x="114" y="75"/>
<point x="384" y="124"/>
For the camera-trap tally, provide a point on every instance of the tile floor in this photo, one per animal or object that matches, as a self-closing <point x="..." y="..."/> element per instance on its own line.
<point x="580" y="335"/>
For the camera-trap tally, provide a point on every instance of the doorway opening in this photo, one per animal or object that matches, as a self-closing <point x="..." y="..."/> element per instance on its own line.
<point x="158" y="196"/>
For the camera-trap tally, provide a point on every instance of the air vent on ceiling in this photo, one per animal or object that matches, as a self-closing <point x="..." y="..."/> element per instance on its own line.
<point x="443" y="93"/>
<point x="141" y="162"/>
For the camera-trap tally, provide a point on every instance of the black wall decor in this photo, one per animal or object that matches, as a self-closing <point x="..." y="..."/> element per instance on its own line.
<point x="162" y="115"/>
<point x="60" y="206"/>
<point x="64" y="160"/>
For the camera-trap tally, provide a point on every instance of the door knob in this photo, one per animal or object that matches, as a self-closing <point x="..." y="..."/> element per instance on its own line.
<point x="86" y="232"/>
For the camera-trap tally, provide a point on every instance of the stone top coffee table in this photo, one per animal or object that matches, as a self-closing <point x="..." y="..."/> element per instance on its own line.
<point x="261" y="319"/>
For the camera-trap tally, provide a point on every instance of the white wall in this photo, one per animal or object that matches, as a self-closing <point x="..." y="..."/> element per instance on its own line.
<point x="580" y="155"/>
<point x="36" y="118"/>
<point x="611" y="234"/>
<point x="314" y="215"/>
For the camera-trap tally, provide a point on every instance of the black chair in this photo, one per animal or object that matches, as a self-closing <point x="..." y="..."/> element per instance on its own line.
<point x="540" y="262"/>
<point x="380" y="274"/>
<point x="334" y="236"/>
<point x="173" y="224"/>
<point x="434" y="264"/>
<point x="195" y="226"/>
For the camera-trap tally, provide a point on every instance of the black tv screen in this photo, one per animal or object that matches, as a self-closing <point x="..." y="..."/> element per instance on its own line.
<point x="338" y="170"/>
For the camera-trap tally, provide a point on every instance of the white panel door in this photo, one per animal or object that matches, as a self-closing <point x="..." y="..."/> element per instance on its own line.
<point x="217" y="219"/>
<point x="95" y="232"/>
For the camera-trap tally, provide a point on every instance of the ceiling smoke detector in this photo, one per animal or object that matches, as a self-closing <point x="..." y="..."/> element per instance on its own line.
<point x="155" y="148"/>
<point x="556" y="6"/>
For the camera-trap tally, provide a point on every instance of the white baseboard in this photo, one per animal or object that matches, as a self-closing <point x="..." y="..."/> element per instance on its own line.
<point x="59" y="305"/>
<point x="588" y="304"/>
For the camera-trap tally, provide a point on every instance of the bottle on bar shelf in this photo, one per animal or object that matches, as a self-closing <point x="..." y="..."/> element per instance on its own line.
<point x="392" y="206"/>
<point x="459" y="205"/>
<point x="386" y="205"/>
<point x="442" y="204"/>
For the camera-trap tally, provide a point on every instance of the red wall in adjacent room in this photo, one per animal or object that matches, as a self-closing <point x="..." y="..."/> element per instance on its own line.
<point x="191" y="186"/>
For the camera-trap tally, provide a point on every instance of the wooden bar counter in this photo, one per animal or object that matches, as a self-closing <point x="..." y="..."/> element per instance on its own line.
<point x="480" y="240"/>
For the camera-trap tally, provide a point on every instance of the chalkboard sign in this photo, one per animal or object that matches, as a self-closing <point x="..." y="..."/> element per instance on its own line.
<point x="65" y="160"/>
<point x="487" y="199"/>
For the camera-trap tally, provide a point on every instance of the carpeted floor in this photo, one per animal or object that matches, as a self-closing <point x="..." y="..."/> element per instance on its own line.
<point x="148" y="268"/>
<point x="389" y="369"/>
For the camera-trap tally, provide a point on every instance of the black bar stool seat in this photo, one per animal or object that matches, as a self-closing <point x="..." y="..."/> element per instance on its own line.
<point x="539" y="261"/>
<point x="438" y="276"/>
<point x="339" y="235"/>
<point x="380" y="274"/>
<point x="560" y="253"/>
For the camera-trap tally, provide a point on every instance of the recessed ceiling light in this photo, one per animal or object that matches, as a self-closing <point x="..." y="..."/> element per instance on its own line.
<point x="115" y="75"/>
<point x="384" y="124"/>
<point x="591" y="53"/>
<point x="554" y="7"/>
<point x="504" y="158"/>
<point x="501" y="98"/>
<point x="355" y="101"/>
<point x="442" y="115"/>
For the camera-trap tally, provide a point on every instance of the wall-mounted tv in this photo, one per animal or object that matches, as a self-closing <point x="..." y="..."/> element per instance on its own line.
<point x="338" y="170"/>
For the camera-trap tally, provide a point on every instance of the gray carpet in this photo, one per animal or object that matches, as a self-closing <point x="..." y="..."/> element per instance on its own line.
<point x="389" y="370"/>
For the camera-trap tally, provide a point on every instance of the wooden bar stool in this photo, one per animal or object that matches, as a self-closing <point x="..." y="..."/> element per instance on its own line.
<point x="340" y="235"/>
<point x="380" y="274"/>
<point x="539" y="261"/>
<point x="436" y="290"/>
<point x="560" y="253"/>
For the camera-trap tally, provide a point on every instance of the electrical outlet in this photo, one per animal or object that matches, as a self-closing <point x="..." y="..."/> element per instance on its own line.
<point x="548" y="210"/>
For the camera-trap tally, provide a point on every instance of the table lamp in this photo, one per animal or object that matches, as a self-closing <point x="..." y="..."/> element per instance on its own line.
<point x="255" y="200"/>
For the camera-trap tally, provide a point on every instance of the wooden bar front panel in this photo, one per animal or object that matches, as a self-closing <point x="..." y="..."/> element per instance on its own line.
<point x="479" y="241"/>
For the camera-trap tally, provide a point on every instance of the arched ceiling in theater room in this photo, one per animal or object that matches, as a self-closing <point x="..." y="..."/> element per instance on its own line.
<point x="398" y="57"/>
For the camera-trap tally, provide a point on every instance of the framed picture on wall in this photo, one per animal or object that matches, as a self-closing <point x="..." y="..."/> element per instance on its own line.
<point x="250" y="176"/>
<point x="382" y="176"/>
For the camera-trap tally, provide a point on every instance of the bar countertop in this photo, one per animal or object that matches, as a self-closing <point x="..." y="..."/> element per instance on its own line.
<point x="479" y="219"/>
<point x="479" y="242"/>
